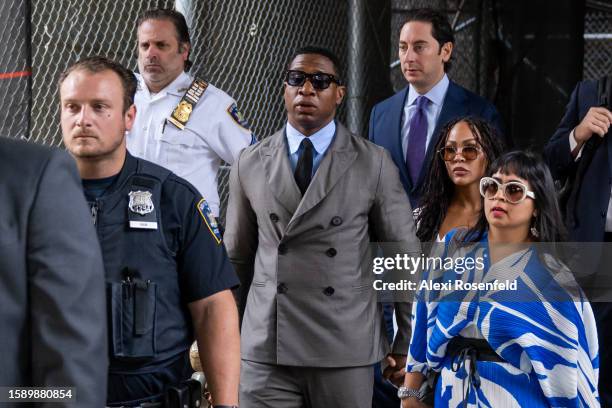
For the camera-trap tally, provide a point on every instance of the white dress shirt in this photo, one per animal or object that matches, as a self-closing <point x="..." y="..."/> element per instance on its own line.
<point x="436" y="97"/>
<point x="211" y="135"/>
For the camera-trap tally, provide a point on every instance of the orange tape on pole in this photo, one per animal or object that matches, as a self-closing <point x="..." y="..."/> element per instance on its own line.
<point x="16" y="74"/>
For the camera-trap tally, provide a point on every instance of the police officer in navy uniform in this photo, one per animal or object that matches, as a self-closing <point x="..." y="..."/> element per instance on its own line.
<point x="167" y="274"/>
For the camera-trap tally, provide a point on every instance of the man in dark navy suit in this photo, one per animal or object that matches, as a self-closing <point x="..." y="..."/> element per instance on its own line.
<point x="581" y="145"/>
<point x="584" y="119"/>
<point x="408" y="123"/>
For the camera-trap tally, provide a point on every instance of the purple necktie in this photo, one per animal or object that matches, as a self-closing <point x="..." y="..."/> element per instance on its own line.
<point x="417" y="138"/>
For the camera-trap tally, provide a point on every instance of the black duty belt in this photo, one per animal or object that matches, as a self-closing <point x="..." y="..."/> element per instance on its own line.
<point x="484" y="351"/>
<point x="187" y="394"/>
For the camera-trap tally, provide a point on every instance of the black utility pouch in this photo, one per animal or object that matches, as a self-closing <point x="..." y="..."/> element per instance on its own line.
<point x="177" y="397"/>
<point x="195" y="392"/>
<point x="132" y="318"/>
<point x="186" y="394"/>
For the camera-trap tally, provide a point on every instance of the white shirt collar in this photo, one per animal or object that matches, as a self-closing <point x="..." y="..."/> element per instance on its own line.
<point x="320" y="139"/>
<point x="435" y="95"/>
<point x="177" y="87"/>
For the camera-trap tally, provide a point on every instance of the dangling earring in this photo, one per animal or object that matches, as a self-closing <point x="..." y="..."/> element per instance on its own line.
<point x="533" y="229"/>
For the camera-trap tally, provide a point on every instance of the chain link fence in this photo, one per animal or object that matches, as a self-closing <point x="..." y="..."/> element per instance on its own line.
<point x="597" y="43"/>
<point x="64" y="31"/>
<point x="14" y="70"/>
<point x="241" y="46"/>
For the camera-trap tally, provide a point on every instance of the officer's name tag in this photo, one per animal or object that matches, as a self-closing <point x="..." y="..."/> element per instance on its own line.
<point x="143" y="225"/>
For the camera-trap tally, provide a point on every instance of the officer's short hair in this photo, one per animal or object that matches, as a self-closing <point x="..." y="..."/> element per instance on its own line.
<point x="98" y="64"/>
<point x="441" y="29"/>
<point x="177" y="19"/>
<point x="313" y="49"/>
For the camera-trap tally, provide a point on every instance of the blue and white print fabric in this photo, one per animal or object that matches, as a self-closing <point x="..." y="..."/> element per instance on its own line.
<point x="548" y="340"/>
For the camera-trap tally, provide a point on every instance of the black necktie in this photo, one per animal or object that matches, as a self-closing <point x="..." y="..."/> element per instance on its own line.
<point x="303" y="170"/>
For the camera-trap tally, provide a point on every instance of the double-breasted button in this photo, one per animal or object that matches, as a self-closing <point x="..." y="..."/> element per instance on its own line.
<point x="328" y="291"/>
<point x="282" y="288"/>
<point x="331" y="252"/>
<point x="335" y="221"/>
<point x="282" y="249"/>
<point x="274" y="217"/>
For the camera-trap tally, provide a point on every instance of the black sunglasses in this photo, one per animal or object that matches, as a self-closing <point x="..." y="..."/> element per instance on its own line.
<point x="318" y="80"/>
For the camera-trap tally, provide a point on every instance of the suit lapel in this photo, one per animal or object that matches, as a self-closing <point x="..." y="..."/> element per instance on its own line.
<point x="275" y="159"/>
<point x="396" y="121"/>
<point x="337" y="160"/>
<point x="453" y="106"/>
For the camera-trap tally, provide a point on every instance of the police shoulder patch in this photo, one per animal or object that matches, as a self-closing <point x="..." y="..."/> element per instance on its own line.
<point x="209" y="220"/>
<point x="238" y="117"/>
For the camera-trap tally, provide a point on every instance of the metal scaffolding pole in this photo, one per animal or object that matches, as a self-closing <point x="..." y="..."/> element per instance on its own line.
<point x="186" y="8"/>
<point x="355" y="78"/>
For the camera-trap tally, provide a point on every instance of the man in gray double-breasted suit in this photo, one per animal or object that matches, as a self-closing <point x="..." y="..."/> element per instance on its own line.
<point x="304" y="206"/>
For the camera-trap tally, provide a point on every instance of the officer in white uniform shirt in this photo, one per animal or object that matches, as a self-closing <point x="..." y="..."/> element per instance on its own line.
<point x="189" y="131"/>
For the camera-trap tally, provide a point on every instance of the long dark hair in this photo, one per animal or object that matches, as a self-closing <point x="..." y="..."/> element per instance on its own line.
<point x="438" y="188"/>
<point x="529" y="166"/>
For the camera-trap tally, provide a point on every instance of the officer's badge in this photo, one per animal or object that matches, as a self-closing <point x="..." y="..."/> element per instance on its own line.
<point x="237" y="116"/>
<point x="180" y="115"/>
<point x="141" y="202"/>
<point x="183" y="111"/>
<point x="210" y="220"/>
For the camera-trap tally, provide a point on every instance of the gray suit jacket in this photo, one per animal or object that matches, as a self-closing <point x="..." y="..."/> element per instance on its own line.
<point x="52" y="299"/>
<point x="311" y="301"/>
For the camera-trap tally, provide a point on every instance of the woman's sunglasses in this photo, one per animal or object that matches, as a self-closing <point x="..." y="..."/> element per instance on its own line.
<point x="318" y="80"/>
<point x="470" y="152"/>
<point x="514" y="191"/>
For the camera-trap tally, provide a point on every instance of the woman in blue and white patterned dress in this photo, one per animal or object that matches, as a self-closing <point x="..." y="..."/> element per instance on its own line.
<point x="535" y="346"/>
